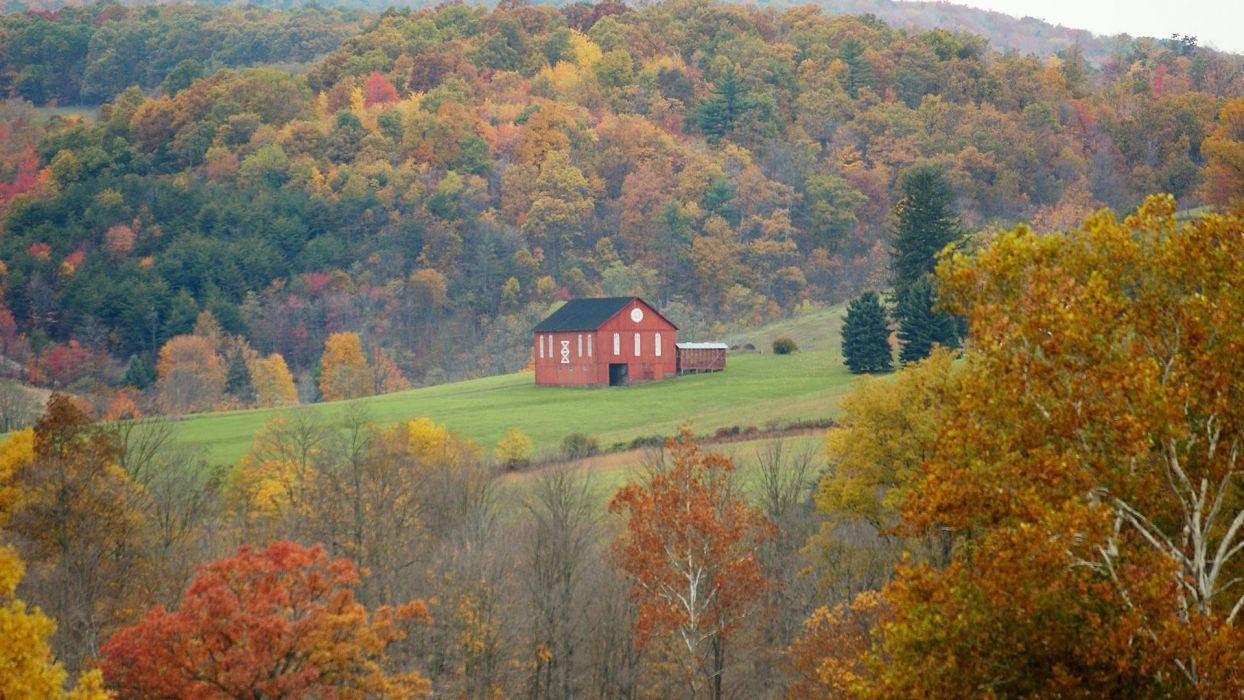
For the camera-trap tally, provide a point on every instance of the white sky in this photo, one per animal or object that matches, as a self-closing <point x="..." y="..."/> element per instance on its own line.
<point x="1216" y="23"/>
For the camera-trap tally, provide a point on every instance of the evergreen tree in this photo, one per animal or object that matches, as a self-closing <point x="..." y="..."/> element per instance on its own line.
<point x="859" y="70"/>
<point x="925" y="223"/>
<point x="919" y="326"/>
<point x="238" y="380"/>
<point x="717" y="113"/>
<point x="866" y="336"/>
<point x="140" y="372"/>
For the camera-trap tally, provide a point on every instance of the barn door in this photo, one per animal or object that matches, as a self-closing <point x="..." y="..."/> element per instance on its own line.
<point x="617" y="374"/>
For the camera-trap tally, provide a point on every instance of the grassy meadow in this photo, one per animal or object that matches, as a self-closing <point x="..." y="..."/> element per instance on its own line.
<point x="757" y="389"/>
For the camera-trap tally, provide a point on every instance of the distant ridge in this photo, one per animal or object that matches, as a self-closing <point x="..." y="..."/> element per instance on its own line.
<point x="1026" y="35"/>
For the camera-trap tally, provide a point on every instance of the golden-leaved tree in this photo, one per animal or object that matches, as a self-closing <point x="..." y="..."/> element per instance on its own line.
<point x="889" y="429"/>
<point x="344" y="373"/>
<point x="274" y="385"/>
<point x="1091" y="471"/>
<point x="27" y="668"/>
<point x="191" y="376"/>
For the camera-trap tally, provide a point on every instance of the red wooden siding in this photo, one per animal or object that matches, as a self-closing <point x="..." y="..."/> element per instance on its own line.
<point x="577" y="368"/>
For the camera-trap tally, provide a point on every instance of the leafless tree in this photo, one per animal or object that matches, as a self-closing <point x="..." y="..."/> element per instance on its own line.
<point x="787" y="477"/>
<point x="18" y="406"/>
<point x="562" y="509"/>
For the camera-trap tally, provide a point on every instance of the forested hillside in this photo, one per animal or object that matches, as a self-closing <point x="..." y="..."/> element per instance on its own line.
<point x="440" y="177"/>
<point x="1005" y="33"/>
<point x="89" y="54"/>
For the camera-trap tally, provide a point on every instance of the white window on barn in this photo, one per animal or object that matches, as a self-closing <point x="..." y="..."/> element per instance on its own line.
<point x="540" y="339"/>
<point x="657" y="349"/>
<point x="589" y="345"/>
<point x="580" y="345"/>
<point x="636" y="345"/>
<point x="617" y="343"/>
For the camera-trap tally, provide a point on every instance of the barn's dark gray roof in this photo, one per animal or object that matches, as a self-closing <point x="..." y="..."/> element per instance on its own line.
<point x="582" y="314"/>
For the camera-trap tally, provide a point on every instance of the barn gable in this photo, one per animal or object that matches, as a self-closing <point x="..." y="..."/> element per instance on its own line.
<point x="589" y="314"/>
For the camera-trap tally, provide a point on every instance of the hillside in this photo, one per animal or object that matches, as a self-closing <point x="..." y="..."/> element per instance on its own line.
<point x="1025" y="35"/>
<point x="434" y="180"/>
<point x="755" y="390"/>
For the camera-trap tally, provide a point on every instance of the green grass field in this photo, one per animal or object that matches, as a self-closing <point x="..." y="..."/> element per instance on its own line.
<point x="755" y="390"/>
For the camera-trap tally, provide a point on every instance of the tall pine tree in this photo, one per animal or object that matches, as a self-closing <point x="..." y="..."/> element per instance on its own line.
<point x="717" y="113"/>
<point x="919" y="325"/>
<point x="925" y="223"/>
<point x="866" y="336"/>
<point x="238" y="381"/>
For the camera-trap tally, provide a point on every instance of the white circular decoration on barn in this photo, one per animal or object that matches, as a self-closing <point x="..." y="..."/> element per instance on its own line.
<point x="637" y="314"/>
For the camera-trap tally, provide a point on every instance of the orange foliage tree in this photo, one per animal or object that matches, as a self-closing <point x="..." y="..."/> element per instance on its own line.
<point x="1100" y="489"/>
<point x="281" y="622"/>
<point x="689" y="548"/>
<point x="1224" y="156"/>
<point x="75" y="516"/>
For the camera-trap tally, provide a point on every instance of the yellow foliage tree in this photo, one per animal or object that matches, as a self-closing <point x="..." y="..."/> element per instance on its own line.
<point x="274" y="385"/>
<point x="889" y="430"/>
<point x="344" y="372"/>
<point x="890" y="427"/>
<point x="27" y="669"/>
<point x="16" y="451"/>
<point x="25" y="656"/>
<point x="191" y="376"/>
<point x="514" y="450"/>
<point x="431" y="443"/>
<point x="269" y="480"/>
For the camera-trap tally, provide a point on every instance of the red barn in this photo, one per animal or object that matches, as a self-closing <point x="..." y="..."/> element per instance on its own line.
<point x="604" y="342"/>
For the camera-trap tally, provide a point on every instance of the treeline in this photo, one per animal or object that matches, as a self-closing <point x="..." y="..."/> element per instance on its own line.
<point x="1080" y="537"/>
<point x="439" y="179"/>
<point x="89" y="54"/>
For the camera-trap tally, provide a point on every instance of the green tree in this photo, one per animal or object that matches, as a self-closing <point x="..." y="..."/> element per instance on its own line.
<point x="926" y="222"/>
<point x="140" y="372"/>
<point x="866" y="336"/>
<point x="859" y="70"/>
<point x="182" y="76"/>
<point x="919" y="326"/>
<point x="832" y="204"/>
<point x="238" y="379"/>
<point x="717" y="113"/>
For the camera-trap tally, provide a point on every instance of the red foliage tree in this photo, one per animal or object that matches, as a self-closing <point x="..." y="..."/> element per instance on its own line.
<point x="282" y="622"/>
<point x="689" y="548"/>
<point x="378" y="90"/>
<point x="63" y="364"/>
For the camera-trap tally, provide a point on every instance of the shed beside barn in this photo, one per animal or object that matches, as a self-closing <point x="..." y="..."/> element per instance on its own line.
<point x="700" y="357"/>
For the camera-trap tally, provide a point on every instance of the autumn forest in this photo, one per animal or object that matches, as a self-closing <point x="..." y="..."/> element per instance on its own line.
<point x="1035" y="240"/>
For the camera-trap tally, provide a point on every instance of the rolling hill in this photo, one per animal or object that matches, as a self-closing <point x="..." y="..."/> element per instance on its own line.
<point x="757" y="389"/>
